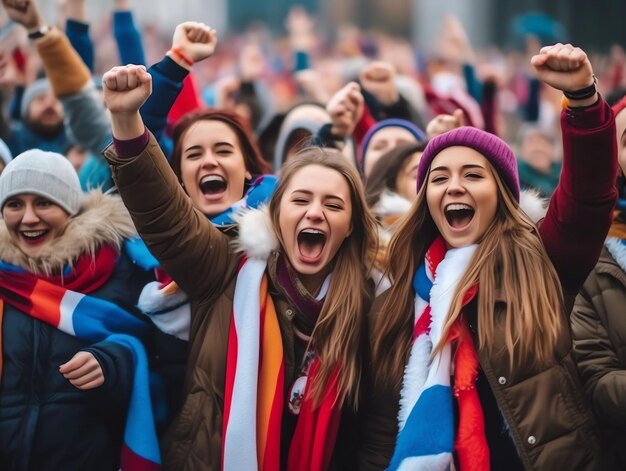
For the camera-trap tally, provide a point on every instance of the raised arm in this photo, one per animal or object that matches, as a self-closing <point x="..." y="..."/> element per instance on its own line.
<point x="579" y="214"/>
<point x="187" y="245"/>
<point x="127" y="36"/>
<point x="192" y="42"/>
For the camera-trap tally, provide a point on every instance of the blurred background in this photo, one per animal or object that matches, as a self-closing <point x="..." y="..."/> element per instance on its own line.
<point x="596" y="24"/>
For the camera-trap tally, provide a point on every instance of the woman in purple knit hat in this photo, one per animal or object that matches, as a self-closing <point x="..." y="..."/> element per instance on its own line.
<point x="472" y="364"/>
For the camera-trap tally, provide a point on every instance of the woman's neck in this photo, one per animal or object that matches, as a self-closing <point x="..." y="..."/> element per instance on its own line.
<point x="313" y="283"/>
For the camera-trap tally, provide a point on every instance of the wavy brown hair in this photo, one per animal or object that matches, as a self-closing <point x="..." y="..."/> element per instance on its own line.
<point x="340" y="331"/>
<point x="510" y="258"/>
<point x="252" y="157"/>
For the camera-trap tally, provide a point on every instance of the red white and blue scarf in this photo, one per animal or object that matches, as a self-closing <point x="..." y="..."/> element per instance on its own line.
<point x="64" y="302"/>
<point x="428" y="438"/>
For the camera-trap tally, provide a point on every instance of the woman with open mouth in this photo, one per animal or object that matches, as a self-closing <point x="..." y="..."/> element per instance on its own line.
<point x="472" y="365"/>
<point x="69" y="329"/>
<point x="276" y="319"/>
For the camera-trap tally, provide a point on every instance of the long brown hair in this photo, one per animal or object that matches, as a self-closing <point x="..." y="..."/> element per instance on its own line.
<point x="340" y="329"/>
<point x="251" y="155"/>
<point x="510" y="258"/>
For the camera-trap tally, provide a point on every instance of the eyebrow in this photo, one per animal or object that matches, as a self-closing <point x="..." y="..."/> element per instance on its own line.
<point x="310" y="193"/>
<point x="464" y="167"/>
<point x="199" y="147"/>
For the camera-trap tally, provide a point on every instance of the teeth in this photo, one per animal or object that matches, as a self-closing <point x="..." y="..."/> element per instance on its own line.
<point x="458" y="207"/>
<point x="33" y="233"/>
<point x="312" y="231"/>
<point x="212" y="178"/>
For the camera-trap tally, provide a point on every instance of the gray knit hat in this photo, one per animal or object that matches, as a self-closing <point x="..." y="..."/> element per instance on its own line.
<point x="46" y="174"/>
<point x="38" y="87"/>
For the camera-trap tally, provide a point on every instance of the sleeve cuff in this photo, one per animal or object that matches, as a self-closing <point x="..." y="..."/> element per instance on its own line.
<point x="131" y="147"/>
<point x="169" y="68"/>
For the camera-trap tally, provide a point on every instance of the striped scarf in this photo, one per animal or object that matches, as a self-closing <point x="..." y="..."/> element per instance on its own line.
<point x="64" y="302"/>
<point x="254" y="390"/>
<point x="427" y="438"/>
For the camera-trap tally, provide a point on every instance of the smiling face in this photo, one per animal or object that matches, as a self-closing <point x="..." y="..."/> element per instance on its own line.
<point x="33" y="222"/>
<point x="315" y="214"/>
<point x="462" y="195"/>
<point x="406" y="179"/>
<point x="382" y="142"/>
<point x="212" y="166"/>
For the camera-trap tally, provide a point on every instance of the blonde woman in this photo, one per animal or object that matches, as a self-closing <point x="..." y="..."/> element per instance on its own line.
<point x="472" y="365"/>
<point x="276" y="324"/>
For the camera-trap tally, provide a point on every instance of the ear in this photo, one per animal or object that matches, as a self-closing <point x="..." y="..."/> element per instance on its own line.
<point x="248" y="175"/>
<point x="349" y="233"/>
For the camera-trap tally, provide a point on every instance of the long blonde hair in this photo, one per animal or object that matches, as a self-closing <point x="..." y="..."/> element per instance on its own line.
<point x="340" y="328"/>
<point x="510" y="259"/>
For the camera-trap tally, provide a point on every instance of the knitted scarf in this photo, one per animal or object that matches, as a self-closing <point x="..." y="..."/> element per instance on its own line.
<point x="163" y="300"/>
<point x="64" y="302"/>
<point x="255" y="388"/>
<point x="427" y="436"/>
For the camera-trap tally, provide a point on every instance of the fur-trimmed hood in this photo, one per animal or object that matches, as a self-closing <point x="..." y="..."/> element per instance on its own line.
<point x="102" y="219"/>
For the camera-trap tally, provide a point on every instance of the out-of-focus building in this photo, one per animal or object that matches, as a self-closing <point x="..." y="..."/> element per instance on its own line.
<point x="593" y="24"/>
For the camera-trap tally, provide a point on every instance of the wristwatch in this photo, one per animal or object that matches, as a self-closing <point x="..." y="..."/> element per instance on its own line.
<point x="40" y="33"/>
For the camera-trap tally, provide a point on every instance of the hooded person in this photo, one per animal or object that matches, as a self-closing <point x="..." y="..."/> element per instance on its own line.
<point x="300" y="128"/>
<point x="71" y="335"/>
<point x="41" y="125"/>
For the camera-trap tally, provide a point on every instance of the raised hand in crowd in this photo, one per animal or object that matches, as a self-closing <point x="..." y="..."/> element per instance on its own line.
<point x="445" y="122"/>
<point x="24" y="12"/>
<point x="345" y="109"/>
<point x="378" y="79"/>
<point x="566" y="68"/>
<point x="125" y="89"/>
<point x="192" y="42"/>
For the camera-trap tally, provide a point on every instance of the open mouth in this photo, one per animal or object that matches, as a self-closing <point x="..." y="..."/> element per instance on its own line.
<point x="213" y="185"/>
<point x="459" y="215"/>
<point x="311" y="242"/>
<point x="33" y="236"/>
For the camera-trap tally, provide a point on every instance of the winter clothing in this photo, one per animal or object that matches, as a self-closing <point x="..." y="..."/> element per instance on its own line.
<point x="179" y="237"/>
<point x="38" y="87"/>
<point x="45" y="422"/>
<point x="5" y="153"/>
<point x="45" y="174"/>
<point x="599" y="329"/>
<point x="391" y="122"/>
<point x="547" y="432"/>
<point x="544" y="183"/>
<point x="492" y="147"/>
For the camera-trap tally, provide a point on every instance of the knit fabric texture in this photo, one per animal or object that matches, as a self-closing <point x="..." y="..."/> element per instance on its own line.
<point x="494" y="149"/>
<point x="46" y="174"/>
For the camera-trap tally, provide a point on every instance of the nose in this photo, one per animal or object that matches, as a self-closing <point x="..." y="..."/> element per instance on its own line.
<point x="30" y="215"/>
<point x="315" y="211"/>
<point x="208" y="159"/>
<point x="455" y="186"/>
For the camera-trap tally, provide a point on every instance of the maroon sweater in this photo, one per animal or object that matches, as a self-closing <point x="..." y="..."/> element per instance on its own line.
<point x="579" y="214"/>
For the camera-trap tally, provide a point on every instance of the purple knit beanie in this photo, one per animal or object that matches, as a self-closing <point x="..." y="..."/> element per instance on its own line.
<point x="494" y="149"/>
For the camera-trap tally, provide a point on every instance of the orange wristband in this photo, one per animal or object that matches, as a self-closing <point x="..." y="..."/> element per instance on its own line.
<point x="177" y="52"/>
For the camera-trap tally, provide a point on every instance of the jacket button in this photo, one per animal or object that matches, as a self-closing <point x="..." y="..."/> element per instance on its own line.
<point x="532" y="440"/>
<point x="502" y="380"/>
<point x="289" y="313"/>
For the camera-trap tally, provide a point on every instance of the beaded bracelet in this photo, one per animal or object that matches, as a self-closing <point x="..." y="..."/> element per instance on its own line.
<point x="583" y="93"/>
<point x="178" y="53"/>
